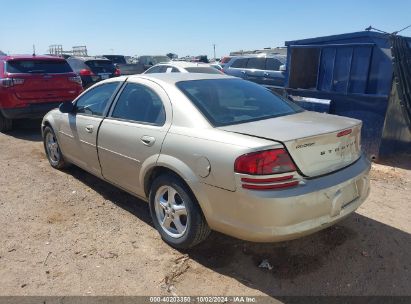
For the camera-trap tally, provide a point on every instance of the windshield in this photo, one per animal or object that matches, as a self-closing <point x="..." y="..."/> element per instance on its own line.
<point x="38" y="66"/>
<point x="206" y="70"/>
<point x="233" y="101"/>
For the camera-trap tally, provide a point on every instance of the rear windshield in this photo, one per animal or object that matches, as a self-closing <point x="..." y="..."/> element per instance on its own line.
<point x="206" y="70"/>
<point x="233" y="101"/>
<point x="38" y="66"/>
<point x="116" y="59"/>
<point x="105" y="64"/>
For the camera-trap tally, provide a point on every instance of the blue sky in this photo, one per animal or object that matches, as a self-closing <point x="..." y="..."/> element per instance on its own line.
<point x="135" y="27"/>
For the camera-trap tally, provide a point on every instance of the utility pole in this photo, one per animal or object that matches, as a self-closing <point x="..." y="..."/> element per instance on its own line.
<point x="214" y="50"/>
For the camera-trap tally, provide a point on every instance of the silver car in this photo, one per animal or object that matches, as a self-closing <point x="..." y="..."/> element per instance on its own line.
<point x="213" y="152"/>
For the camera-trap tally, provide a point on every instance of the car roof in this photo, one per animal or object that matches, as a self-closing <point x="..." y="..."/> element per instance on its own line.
<point x="87" y="58"/>
<point x="172" y="78"/>
<point x="31" y="57"/>
<point x="261" y="55"/>
<point x="184" y="64"/>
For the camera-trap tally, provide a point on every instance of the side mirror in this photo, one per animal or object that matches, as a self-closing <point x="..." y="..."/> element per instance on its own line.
<point x="283" y="68"/>
<point x="66" y="107"/>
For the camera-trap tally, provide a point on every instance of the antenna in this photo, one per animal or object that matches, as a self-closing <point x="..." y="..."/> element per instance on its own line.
<point x="34" y="50"/>
<point x="375" y="29"/>
<point x="393" y="33"/>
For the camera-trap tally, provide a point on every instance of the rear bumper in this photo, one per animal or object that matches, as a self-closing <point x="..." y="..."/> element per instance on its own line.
<point x="34" y="110"/>
<point x="269" y="216"/>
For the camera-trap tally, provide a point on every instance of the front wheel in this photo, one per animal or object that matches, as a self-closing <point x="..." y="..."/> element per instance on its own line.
<point x="52" y="149"/>
<point x="176" y="213"/>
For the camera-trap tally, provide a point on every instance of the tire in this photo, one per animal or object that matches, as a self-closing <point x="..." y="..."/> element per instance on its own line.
<point x="180" y="220"/>
<point x="6" y="124"/>
<point x="52" y="149"/>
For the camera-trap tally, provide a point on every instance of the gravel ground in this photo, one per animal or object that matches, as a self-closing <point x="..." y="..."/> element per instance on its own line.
<point x="69" y="233"/>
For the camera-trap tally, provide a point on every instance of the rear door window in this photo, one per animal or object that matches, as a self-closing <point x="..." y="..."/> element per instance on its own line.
<point x="256" y="63"/>
<point x="140" y="104"/>
<point x="240" y="63"/>
<point x="38" y="66"/>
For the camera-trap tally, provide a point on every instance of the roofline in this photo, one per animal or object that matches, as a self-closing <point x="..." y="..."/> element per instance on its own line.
<point x="29" y="57"/>
<point x="344" y="36"/>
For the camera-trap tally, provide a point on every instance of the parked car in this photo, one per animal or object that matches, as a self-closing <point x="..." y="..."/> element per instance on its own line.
<point x="125" y="68"/>
<point x="30" y="86"/>
<point x="93" y="69"/>
<point x="209" y="151"/>
<point x="149" y="61"/>
<point x="224" y="60"/>
<point x="217" y="66"/>
<point x="182" y="67"/>
<point x="262" y="69"/>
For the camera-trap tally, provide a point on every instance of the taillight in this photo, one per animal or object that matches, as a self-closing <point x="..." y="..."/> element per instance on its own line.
<point x="117" y="72"/>
<point x="9" y="82"/>
<point x="269" y="162"/>
<point x="344" y="133"/>
<point x="86" y="72"/>
<point x="264" y="163"/>
<point x="76" y="79"/>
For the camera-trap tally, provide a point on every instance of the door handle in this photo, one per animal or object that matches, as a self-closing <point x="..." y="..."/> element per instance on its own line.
<point x="266" y="74"/>
<point x="148" y="140"/>
<point x="89" y="129"/>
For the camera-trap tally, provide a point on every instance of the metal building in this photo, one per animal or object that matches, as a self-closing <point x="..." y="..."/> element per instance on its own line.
<point x="364" y="75"/>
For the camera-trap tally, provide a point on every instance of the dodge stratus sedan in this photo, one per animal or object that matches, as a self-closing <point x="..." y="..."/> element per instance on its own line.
<point x="213" y="152"/>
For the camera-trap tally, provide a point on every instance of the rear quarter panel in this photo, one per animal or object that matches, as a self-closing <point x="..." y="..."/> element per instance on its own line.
<point x="210" y="154"/>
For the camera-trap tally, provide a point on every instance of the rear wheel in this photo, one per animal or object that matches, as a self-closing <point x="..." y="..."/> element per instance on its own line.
<point x="176" y="213"/>
<point x="6" y="124"/>
<point x="52" y="149"/>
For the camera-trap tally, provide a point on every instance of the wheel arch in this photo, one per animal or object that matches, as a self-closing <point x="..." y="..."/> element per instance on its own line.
<point x="170" y="165"/>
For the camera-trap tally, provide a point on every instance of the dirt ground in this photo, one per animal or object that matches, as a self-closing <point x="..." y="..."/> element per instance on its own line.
<point x="69" y="233"/>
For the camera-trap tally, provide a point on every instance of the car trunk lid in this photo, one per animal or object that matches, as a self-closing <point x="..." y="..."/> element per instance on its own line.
<point x="318" y="143"/>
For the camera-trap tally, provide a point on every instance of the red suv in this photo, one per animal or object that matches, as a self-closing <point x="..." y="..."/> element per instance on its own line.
<point x="30" y="86"/>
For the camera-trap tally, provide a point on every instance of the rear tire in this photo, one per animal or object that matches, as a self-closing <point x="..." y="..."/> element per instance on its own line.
<point x="176" y="213"/>
<point x="6" y="124"/>
<point x="52" y="149"/>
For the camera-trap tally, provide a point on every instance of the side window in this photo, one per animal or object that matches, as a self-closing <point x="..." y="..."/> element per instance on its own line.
<point x="273" y="64"/>
<point x="95" y="101"/>
<point x="240" y="63"/>
<point x="175" y="70"/>
<point x="163" y="69"/>
<point x="256" y="63"/>
<point x="141" y="104"/>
